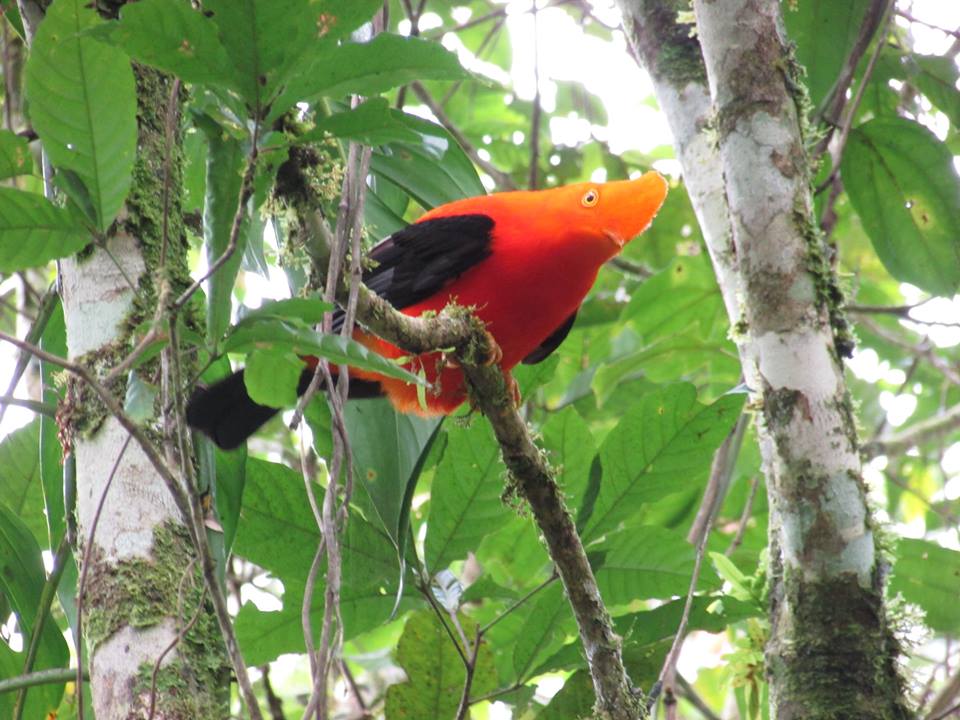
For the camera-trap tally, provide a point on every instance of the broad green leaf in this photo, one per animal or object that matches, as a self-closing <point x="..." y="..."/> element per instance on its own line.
<point x="389" y="449"/>
<point x="434" y="670"/>
<point x="465" y="503"/>
<point x="302" y="340"/>
<point x="385" y="62"/>
<point x="678" y="328"/>
<point x="309" y="310"/>
<point x="664" y="444"/>
<point x="547" y="622"/>
<point x="21" y="581"/>
<point x="272" y="377"/>
<point x="643" y="562"/>
<point x="266" y="42"/>
<point x="22" y="490"/>
<point x="174" y="37"/>
<point x="903" y="185"/>
<point x="567" y="436"/>
<point x="33" y="231"/>
<point x="138" y="402"/>
<point x="278" y="531"/>
<point x="371" y="123"/>
<point x="928" y="575"/>
<point x="936" y="77"/>
<point x="433" y="171"/>
<point x="225" y="163"/>
<point x="514" y="556"/>
<point x="15" y="157"/>
<point x="83" y="105"/>
<point x="824" y="31"/>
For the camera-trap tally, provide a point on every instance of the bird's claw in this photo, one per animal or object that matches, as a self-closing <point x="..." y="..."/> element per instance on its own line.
<point x="496" y="353"/>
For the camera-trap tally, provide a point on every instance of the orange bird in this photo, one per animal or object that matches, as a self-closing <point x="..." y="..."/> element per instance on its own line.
<point x="524" y="260"/>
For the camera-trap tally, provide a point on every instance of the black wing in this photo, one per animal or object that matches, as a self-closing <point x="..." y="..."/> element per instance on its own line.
<point x="552" y="342"/>
<point x="419" y="260"/>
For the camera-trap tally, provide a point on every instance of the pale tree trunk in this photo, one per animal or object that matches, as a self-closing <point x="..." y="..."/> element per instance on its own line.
<point x="831" y="653"/>
<point x="141" y="586"/>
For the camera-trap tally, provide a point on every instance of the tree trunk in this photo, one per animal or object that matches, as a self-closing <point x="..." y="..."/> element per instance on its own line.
<point x="141" y="583"/>
<point x="831" y="652"/>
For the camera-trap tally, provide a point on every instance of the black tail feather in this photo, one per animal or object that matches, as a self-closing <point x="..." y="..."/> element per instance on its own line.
<point x="227" y="414"/>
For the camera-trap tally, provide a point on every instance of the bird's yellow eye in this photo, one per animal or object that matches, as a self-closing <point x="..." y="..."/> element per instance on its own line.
<point x="590" y="198"/>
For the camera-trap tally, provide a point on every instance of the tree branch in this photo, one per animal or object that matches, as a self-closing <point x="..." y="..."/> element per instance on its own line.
<point x="922" y="432"/>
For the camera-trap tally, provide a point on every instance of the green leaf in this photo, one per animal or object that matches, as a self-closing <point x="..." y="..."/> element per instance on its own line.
<point x="389" y="450"/>
<point x="567" y="436"/>
<point x="643" y="562"/>
<point x="83" y="104"/>
<point x="225" y="162"/>
<point x="271" y="333"/>
<point x="903" y="185"/>
<point x="434" y="670"/>
<point x="278" y="532"/>
<point x="173" y="37"/>
<point x="33" y="231"/>
<point x="272" y="377"/>
<point x="543" y="632"/>
<point x="139" y="399"/>
<point x="928" y="575"/>
<point x="15" y="157"/>
<point x="824" y="31"/>
<point x="465" y="503"/>
<point x="308" y="310"/>
<point x="371" y="123"/>
<point x="663" y="445"/>
<point x="266" y="42"/>
<point x="681" y="330"/>
<point x="22" y="491"/>
<point x="936" y="77"/>
<point x="385" y="62"/>
<point x="433" y="171"/>
<point x="21" y="581"/>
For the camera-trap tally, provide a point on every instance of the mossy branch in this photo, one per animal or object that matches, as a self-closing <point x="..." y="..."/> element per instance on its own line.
<point x="458" y="328"/>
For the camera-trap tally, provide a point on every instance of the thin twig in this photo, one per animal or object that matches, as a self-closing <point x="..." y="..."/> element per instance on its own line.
<point x="744" y="517"/>
<point x="839" y="145"/>
<point x="37" y="406"/>
<point x="42" y="677"/>
<point x="463" y="709"/>
<point x="273" y="700"/>
<point x="518" y="603"/>
<point x="835" y="101"/>
<point x="912" y="18"/>
<point x="47" y="305"/>
<point x="724" y="462"/>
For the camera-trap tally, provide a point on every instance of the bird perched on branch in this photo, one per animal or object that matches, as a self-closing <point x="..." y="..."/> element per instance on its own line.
<point x="523" y="260"/>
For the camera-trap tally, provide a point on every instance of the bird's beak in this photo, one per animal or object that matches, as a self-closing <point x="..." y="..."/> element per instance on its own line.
<point x="630" y="206"/>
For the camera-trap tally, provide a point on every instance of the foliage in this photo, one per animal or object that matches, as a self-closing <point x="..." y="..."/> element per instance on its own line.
<point x="629" y="410"/>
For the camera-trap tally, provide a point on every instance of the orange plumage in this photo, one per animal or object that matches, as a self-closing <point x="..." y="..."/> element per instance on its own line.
<point x="524" y="261"/>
